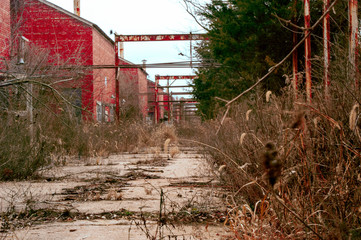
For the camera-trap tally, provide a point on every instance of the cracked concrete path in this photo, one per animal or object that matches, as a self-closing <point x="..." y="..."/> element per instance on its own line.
<point x="127" y="196"/>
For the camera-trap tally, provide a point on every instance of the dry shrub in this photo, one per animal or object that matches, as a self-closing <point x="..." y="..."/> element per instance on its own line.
<point x="57" y="137"/>
<point x="155" y="136"/>
<point x="318" y="193"/>
<point x="21" y="155"/>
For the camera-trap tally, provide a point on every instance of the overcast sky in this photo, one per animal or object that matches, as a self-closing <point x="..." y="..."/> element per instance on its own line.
<point x="142" y="17"/>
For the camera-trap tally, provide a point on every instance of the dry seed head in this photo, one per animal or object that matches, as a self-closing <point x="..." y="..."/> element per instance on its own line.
<point x="247" y="114"/>
<point x="166" y="144"/>
<point x="174" y="151"/>
<point x="268" y="95"/>
<point x="339" y="169"/>
<point x="353" y="117"/>
<point x="221" y="168"/>
<point x="241" y="139"/>
<point x="315" y="121"/>
<point x="287" y="79"/>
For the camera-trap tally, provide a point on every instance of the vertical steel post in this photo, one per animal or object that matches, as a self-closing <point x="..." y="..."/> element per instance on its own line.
<point x="353" y="20"/>
<point x="326" y="48"/>
<point x="117" y="107"/>
<point x="295" y="57"/>
<point x="308" y="50"/>
<point x="295" y="67"/>
<point x="168" y="100"/>
<point x="121" y="50"/>
<point x="156" y="103"/>
<point x="171" y="106"/>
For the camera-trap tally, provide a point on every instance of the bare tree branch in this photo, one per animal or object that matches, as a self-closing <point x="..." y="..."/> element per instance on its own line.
<point x="19" y="81"/>
<point x="187" y="7"/>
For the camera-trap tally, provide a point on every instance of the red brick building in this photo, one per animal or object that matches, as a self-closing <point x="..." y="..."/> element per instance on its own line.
<point x="75" y="41"/>
<point x="4" y="28"/>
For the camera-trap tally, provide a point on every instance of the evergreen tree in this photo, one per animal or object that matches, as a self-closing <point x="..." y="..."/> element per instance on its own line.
<point x="246" y="39"/>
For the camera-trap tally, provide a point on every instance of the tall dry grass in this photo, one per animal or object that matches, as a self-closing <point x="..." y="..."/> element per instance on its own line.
<point x="310" y="187"/>
<point x="59" y="136"/>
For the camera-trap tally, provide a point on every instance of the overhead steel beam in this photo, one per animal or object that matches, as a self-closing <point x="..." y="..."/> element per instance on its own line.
<point x="177" y="101"/>
<point x="184" y="86"/>
<point x="175" y="77"/>
<point x="159" y="37"/>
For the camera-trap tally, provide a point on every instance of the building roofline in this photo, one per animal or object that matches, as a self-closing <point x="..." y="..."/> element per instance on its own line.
<point x="83" y="20"/>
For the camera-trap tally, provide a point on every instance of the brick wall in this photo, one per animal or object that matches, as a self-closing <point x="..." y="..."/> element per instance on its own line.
<point x="104" y="79"/>
<point x="4" y="27"/>
<point x="143" y="92"/>
<point x="68" y="39"/>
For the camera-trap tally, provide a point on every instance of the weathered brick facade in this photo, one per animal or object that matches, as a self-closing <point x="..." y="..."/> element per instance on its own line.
<point x="75" y="41"/>
<point x="4" y="28"/>
<point x="104" y="79"/>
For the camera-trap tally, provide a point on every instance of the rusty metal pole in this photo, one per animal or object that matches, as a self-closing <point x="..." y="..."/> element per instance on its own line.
<point x="353" y="20"/>
<point x="295" y="67"/>
<point x="156" y="107"/>
<point x="168" y="101"/>
<point x="171" y="107"/>
<point x="308" y="50"/>
<point x="295" y="57"/>
<point x="117" y="107"/>
<point x="326" y="48"/>
<point x="121" y="50"/>
<point x="77" y="7"/>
